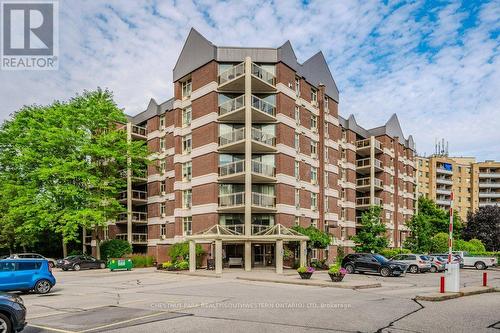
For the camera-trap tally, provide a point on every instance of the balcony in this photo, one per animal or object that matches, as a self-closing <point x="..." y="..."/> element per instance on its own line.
<point x="489" y="203"/>
<point x="489" y="175"/>
<point x="444" y="180"/>
<point x="363" y="165"/>
<point x="364" y="202"/>
<point x="240" y="228"/>
<point x="443" y="191"/>
<point x="138" y="197"/>
<point x="232" y="202"/>
<point x="233" y="109"/>
<point x="137" y="217"/>
<point x="364" y="184"/>
<point x="233" y="141"/>
<point x="489" y="185"/>
<point x="489" y="194"/>
<point x="137" y="238"/>
<point x="363" y="147"/>
<point x="444" y="171"/>
<point x="262" y="80"/>
<point x="262" y="173"/>
<point x="233" y="79"/>
<point x="263" y="202"/>
<point x="233" y="172"/>
<point x="139" y="132"/>
<point x="263" y="142"/>
<point x="262" y="111"/>
<point x="443" y="202"/>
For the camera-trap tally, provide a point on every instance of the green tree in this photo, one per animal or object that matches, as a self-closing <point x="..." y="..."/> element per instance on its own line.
<point x="372" y="236"/>
<point x="60" y="167"/>
<point x="484" y="225"/>
<point x="440" y="243"/>
<point x="420" y="237"/>
<point x="180" y="252"/>
<point x="115" y="248"/>
<point x="317" y="239"/>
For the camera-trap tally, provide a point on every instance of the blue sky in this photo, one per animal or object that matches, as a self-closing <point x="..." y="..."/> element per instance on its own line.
<point x="434" y="63"/>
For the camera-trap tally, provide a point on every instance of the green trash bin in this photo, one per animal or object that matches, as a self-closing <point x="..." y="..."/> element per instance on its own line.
<point x="120" y="263"/>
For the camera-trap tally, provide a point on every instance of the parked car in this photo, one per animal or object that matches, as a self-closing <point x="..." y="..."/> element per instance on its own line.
<point x="26" y="275"/>
<point x="82" y="262"/>
<point x="480" y="262"/>
<point x="373" y="263"/>
<point x="438" y="264"/>
<point x="455" y="258"/>
<point x="417" y="263"/>
<point x="52" y="262"/>
<point x="60" y="262"/>
<point x="12" y="313"/>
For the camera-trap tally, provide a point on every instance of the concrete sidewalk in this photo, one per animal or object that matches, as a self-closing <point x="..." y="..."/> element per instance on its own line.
<point x="467" y="291"/>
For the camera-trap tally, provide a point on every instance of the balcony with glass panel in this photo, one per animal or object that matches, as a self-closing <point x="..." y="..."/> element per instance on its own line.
<point x="232" y="172"/>
<point x="262" y="110"/>
<point x="137" y="217"/>
<point x="444" y="180"/>
<point x="365" y="202"/>
<point x="232" y="202"/>
<point x="263" y="141"/>
<point x="138" y="197"/>
<point x="363" y="147"/>
<point x="262" y="172"/>
<point x="232" y="110"/>
<point x="232" y="79"/>
<point x="232" y="140"/>
<point x="364" y="184"/>
<point x="263" y="202"/>
<point x="363" y="165"/>
<point x="137" y="238"/>
<point x="488" y="183"/>
<point x="262" y="79"/>
<point x="139" y="132"/>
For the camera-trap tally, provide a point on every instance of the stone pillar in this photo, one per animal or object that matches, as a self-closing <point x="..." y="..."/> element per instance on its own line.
<point x="248" y="256"/>
<point x="279" y="256"/>
<point x="84" y="236"/>
<point x="248" y="146"/>
<point x="218" y="256"/>
<point x="303" y="252"/>
<point x="192" y="256"/>
<point x="129" y="187"/>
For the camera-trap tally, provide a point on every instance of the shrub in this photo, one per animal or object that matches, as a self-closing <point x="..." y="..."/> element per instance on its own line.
<point x="115" y="248"/>
<point x="167" y="265"/>
<point x="337" y="269"/>
<point x="180" y="251"/>
<point x="440" y="243"/>
<point x="319" y="264"/>
<point x="304" y="269"/>
<point x="287" y="254"/>
<point x="182" y="265"/>
<point x="142" y="260"/>
<point x="389" y="253"/>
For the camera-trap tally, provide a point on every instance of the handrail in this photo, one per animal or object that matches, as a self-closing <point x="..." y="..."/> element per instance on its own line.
<point x="262" y="105"/>
<point x="232" y="73"/>
<point x="233" y="136"/>
<point x="232" y="105"/>
<point x="262" y="74"/>
<point x="262" y="168"/>
<point x="263" y="137"/>
<point x="232" y="168"/>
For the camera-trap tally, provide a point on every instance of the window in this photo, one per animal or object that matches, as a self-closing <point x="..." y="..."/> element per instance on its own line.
<point x="186" y="199"/>
<point x="326" y="105"/>
<point x="314" y="201"/>
<point x="186" y="144"/>
<point x="162" y="122"/>
<point x="163" y="209"/>
<point x="326" y="180"/>
<point x="297" y="115"/>
<point x="314" y="254"/>
<point x="297" y="220"/>
<point x="343" y="154"/>
<point x="28" y="266"/>
<point x="342" y="194"/>
<point x="297" y="198"/>
<point x="186" y="171"/>
<point x="327" y="134"/>
<point x="327" y="205"/>
<point x="186" y="116"/>
<point x="344" y="135"/>
<point x="343" y="174"/>
<point x="343" y="233"/>
<point x="186" y="89"/>
<point x="326" y="227"/>
<point x="343" y="213"/>
<point x="187" y="225"/>
<point x="297" y="142"/>
<point x="314" y="175"/>
<point x="314" y="122"/>
<point x="163" y="165"/>
<point x="326" y="155"/>
<point x="314" y="96"/>
<point x="314" y="223"/>
<point x="162" y="187"/>
<point x="163" y="230"/>
<point x="297" y="170"/>
<point x="297" y="86"/>
<point x="162" y="144"/>
<point x="314" y="149"/>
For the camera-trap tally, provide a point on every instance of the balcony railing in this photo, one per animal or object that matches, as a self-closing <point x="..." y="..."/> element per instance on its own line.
<point x="136" y="217"/>
<point x="137" y="195"/>
<point x="240" y="228"/>
<point x="232" y="199"/>
<point x="266" y="138"/>
<point x="232" y="73"/>
<point x="262" y="105"/>
<point x="489" y="194"/>
<point x="139" y="130"/>
<point x="233" y="136"/>
<point x="136" y="237"/>
<point x="363" y="181"/>
<point x="366" y="143"/>
<point x="262" y="74"/>
<point x="441" y="170"/>
<point x="263" y="169"/>
<point x="365" y="162"/>
<point x="263" y="200"/>
<point x="443" y="180"/>
<point x="232" y="105"/>
<point x="365" y="201"/>
<point x="232" y="168"/>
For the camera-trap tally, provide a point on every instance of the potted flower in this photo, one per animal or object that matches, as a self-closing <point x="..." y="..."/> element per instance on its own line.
<point x="305" y="272"/>
<point x="337" y="272"/>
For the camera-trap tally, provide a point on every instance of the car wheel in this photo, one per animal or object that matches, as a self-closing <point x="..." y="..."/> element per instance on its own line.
<point x="43" y="286"/>
<point x="76" y="267"/>
<point x="433" y="269"/>
<point x="480" y="265"/>
<point x="413" y="269"/>
<point x="65" y="269"/>
<point x="385" y="272"/>
<point x="102" y="266"/>
<point x="349" y="268"/>
<point x="5" y="324"/>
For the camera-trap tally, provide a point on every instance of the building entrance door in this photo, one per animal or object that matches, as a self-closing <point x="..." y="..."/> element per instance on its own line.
<point x="263" y="255"/>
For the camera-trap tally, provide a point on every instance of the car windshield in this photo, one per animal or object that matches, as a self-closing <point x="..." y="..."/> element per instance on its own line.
<point x="425" y="258"/>
<point x="381" y="259"/>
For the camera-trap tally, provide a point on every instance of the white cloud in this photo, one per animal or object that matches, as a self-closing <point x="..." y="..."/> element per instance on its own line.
<point x="374" y="50"/>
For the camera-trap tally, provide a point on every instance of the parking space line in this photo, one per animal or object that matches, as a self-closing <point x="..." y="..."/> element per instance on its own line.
<point x="122" y="322"/>
<point x="51" y="329"/>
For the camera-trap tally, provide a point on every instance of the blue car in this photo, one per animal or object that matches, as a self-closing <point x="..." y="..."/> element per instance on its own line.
<point x="12" y="313"/>
<point x="26" y="275"/>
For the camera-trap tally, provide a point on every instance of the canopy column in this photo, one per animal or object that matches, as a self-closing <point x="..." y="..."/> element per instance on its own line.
<point x="279" y="256"/>
<point x="248" y="256"/>
<point x="303" y="252"/>
<point x="192" y="256"/>
<point x="218" y="256"/>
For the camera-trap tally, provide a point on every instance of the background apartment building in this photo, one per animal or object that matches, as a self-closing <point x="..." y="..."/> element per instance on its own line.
<point x="474" y="184"/>
<point x="251" y="144"/>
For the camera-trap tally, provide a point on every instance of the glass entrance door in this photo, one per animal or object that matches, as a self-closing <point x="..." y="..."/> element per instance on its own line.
<point x="263" y="255"/>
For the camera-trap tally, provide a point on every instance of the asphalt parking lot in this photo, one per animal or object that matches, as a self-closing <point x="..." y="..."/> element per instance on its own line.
<point x="149" y="301"/>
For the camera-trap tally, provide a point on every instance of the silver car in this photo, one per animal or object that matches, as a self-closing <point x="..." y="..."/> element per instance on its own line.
<point x="52" y="262"/>
<point x="417" y="263"/>
<point x="438" y="264"/>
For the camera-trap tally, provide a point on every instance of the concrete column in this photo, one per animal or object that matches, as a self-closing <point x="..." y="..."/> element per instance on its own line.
<point x="248" y="146"/>
<point x="192" y="256"/>
<point x="248" y="256"/>
<point x="129" y="187"/>
<point x="279" y="256"/>
<point x="372" y="170"/>
<point x="84" y="236"/>
<point x="303" y="252"/>
<point x="218" y="256"/>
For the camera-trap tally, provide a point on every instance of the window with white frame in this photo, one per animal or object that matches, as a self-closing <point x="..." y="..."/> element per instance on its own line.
<point x="326" y="155"/>
<point x="343" y="233"/>
<point x="297" y="198"/>
<point x="297" y="220"/>
<point x="186" y="171"/>
<point x="344" y="135"/>
<point x="314" y="201"/>
<point x="297" y="142"/>
<point x="297" y="86"/>
<point x="314" y="254"/>
<point x="162" y="122"/>
<point x="186" y="116"/>
<point x="326" y="180"/>
<point x="342" y="194"/>
<point x="186" y="144"/>
<point x="343" y="174"/>
<point x="343" y="213"/>
<point x="314" y="123"/>
<point x="163" y="230"/>
<point x="326" y="227"/>
<point x="314" y="175"/>
<point x="297" y="170"/>
<point x="314" y="148"/>
<point x="187" y="225"/>
<point x="326" y="105"/>
<point x="186" y="88"/>
<point x="163" y="209"/>
<point x="343" y="154"/>
<point x="162" y="187"/>
<point x="297" y="114"/>
<point x="314" y="223"/>
<point x="327" y="134"/>
<point x="327" y="204"/>
<point x="162" y="144"/>
<point x="186" y="198"/>
<point x="163" y="165"/>
<point x="314" y="96"/>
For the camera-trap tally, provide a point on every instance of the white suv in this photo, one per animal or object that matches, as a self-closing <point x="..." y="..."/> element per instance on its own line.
<point x="417" y="263"/>
<point x="52" y="262"/>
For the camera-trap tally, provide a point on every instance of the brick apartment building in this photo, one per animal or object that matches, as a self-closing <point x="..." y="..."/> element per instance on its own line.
<point x="252" y="144"/>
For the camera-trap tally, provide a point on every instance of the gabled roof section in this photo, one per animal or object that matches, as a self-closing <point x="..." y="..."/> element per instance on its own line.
<point x="286" y="54"/>
<point x="316" y="71"/>
<point x="196" y="52"/>
<point x="152" y="110"/>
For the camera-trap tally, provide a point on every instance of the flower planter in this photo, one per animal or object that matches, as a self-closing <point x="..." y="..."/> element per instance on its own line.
<point x="336" y="277"/>
<point x="305" y="276"/>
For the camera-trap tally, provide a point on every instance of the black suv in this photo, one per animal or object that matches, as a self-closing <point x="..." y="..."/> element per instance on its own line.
<point x="372" y="263"/>
<point x="12" y="313"/>
<point x="82" y="262"/>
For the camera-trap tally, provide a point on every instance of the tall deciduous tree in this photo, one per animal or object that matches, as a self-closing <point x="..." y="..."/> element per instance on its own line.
<point x="372" y="236"/>
<point x="61" y="166"/>
<point x="484" y="225"/>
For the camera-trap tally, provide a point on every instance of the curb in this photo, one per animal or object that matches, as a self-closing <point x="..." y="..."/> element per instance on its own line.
<point x="189" y="274"/>
<point x="437" y="297"/>
<point x="313" y="283"/>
